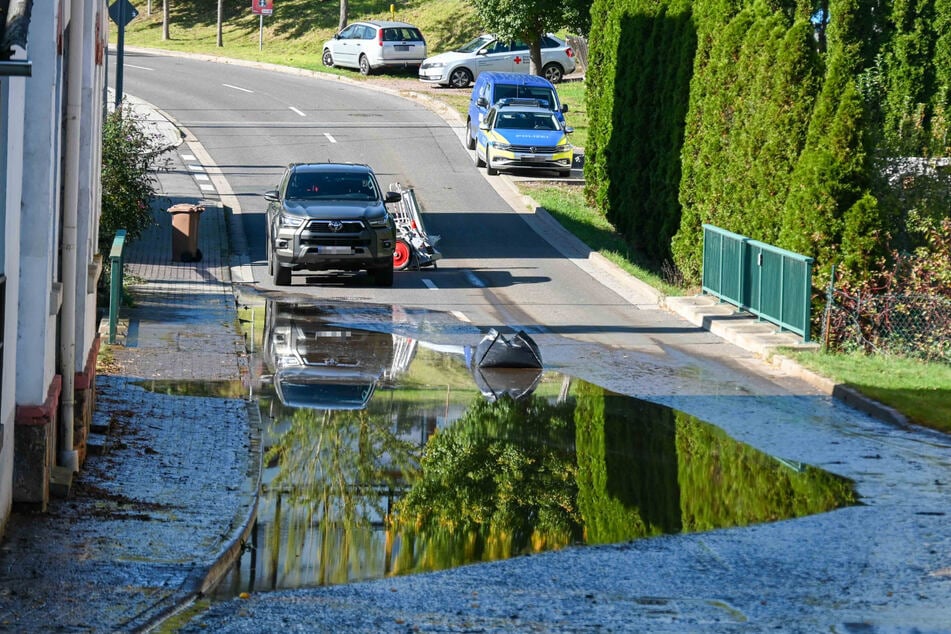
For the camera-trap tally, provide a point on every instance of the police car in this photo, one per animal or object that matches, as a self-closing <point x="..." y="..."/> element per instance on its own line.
<point x="522" y="134"/>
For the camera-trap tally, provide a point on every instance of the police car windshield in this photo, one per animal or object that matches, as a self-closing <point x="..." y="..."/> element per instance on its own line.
<point x="526" y="121"/>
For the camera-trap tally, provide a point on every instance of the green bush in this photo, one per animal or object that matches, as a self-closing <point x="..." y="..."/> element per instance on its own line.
<point x="131" y="157"/>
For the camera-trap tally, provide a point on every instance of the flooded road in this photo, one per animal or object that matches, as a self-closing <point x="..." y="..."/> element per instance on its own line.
<point x="387" y="455"/>
<point x="716" y="500"/>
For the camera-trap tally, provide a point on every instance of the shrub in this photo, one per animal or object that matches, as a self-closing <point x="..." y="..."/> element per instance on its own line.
<point x="131" y="158"/>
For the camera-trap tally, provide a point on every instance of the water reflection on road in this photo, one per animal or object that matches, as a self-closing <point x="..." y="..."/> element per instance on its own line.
<point x="386" y="455"/>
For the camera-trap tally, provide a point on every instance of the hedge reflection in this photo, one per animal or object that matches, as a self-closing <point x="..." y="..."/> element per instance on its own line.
<point x="515" y="477"/>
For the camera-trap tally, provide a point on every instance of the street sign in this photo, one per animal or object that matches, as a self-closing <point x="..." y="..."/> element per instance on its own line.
<point x="262" y="7"/>
<point x="122" y="10"/>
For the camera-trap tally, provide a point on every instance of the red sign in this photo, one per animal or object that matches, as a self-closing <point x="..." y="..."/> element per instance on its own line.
<point x="518" y="60"/>
<point x="262" y="7"/>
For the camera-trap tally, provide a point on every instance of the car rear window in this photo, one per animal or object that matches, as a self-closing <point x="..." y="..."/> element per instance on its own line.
<point x="541" y="93"/>
<point x="402" y="34"/>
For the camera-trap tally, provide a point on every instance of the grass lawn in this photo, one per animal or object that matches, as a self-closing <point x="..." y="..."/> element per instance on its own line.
<point x="919" y="390"/>
<point x="294" y="35"/>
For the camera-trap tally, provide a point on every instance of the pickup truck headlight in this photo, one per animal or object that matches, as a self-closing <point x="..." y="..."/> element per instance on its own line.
<point x="291" y="221"/>
<point x="379" y="221"/>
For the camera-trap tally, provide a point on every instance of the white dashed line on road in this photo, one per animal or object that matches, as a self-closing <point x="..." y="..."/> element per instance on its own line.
<point x="460" y="316"/>
<point x="238" y="88"/>
<point x="296" y="111"/>
<point x="330" y="137"/>
<point x="430" y="284"/>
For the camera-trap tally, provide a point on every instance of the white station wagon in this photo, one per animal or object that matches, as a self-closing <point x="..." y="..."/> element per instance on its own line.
<point x="370" y="46"/>
<point x="459" y="68"/>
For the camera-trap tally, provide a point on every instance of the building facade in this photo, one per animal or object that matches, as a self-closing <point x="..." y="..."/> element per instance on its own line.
<point x="52" y="106"/>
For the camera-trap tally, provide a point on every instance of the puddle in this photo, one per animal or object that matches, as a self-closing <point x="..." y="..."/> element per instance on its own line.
<point x="386" y="455"/>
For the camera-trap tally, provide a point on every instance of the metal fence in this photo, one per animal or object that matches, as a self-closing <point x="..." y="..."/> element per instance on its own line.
<point x="917" y="326"/>
<point x="769" y="282"/>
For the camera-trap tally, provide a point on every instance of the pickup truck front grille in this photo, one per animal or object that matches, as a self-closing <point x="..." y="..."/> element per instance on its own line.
<point x="335" y="226"/>
<point x="342" y="241"/>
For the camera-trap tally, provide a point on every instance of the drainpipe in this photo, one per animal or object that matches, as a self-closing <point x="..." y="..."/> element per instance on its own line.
<point x="68" y="457"/>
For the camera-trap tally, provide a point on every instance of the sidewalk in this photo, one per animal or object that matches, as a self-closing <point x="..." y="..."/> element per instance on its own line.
<point x="161" y="504"/>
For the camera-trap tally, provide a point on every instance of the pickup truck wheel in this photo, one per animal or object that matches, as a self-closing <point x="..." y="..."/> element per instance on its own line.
<point x="282" y="275"/>
<point x="383" y="276"/>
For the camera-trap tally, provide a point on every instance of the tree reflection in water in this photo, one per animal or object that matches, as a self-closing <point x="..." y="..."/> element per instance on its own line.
<point x="386" y="490"/>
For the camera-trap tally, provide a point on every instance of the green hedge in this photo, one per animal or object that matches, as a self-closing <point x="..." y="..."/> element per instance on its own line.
<point x="763" y="119"/>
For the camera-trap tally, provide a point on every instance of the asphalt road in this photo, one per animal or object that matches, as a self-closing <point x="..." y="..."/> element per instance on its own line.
<point x="497" y="270"/>
<point x="884" y="566"/>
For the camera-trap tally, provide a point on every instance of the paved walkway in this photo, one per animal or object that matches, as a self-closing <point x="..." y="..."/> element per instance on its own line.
<point x="162" y="502"/>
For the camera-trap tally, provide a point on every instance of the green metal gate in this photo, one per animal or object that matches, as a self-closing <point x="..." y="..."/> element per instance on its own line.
<point x="769" y="282"/>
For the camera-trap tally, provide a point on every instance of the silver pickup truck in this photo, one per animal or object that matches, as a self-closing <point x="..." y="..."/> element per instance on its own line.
<point x="330" y="217"/>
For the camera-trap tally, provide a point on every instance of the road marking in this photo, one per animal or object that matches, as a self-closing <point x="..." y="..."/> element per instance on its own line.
<point x="188" y="157"/>
<point x="126" y="65"/>
<point x="195" y="167"/>
<point x="430" y="284"/>
<point x="296" y="111"/>
<point x="475" y="281"/>
<point x="206" y="187"/>
<point x="460" y="316"/>
<point x="330" y="137"/>
<point x="223" y="125"/>
<point x="237" y="88"/>
<point x="202" y="177"/>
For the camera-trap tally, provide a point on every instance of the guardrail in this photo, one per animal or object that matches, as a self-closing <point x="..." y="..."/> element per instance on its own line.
<point x="769" y="282"/>
<point x="115" y="282"/>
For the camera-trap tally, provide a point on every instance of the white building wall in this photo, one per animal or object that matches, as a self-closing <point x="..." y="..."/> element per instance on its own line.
<point x="40" y="211"/>
<point x="12" y="108"/>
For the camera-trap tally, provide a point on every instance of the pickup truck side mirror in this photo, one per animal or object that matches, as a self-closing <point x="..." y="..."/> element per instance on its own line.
<point x="271" y="195"/>
<point x="393" y="197"/>
<point x="564" y="107"/>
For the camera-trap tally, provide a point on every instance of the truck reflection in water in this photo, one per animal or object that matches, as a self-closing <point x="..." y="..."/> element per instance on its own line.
<point x="319" y="365"/>
<point x="429" y="473"/>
